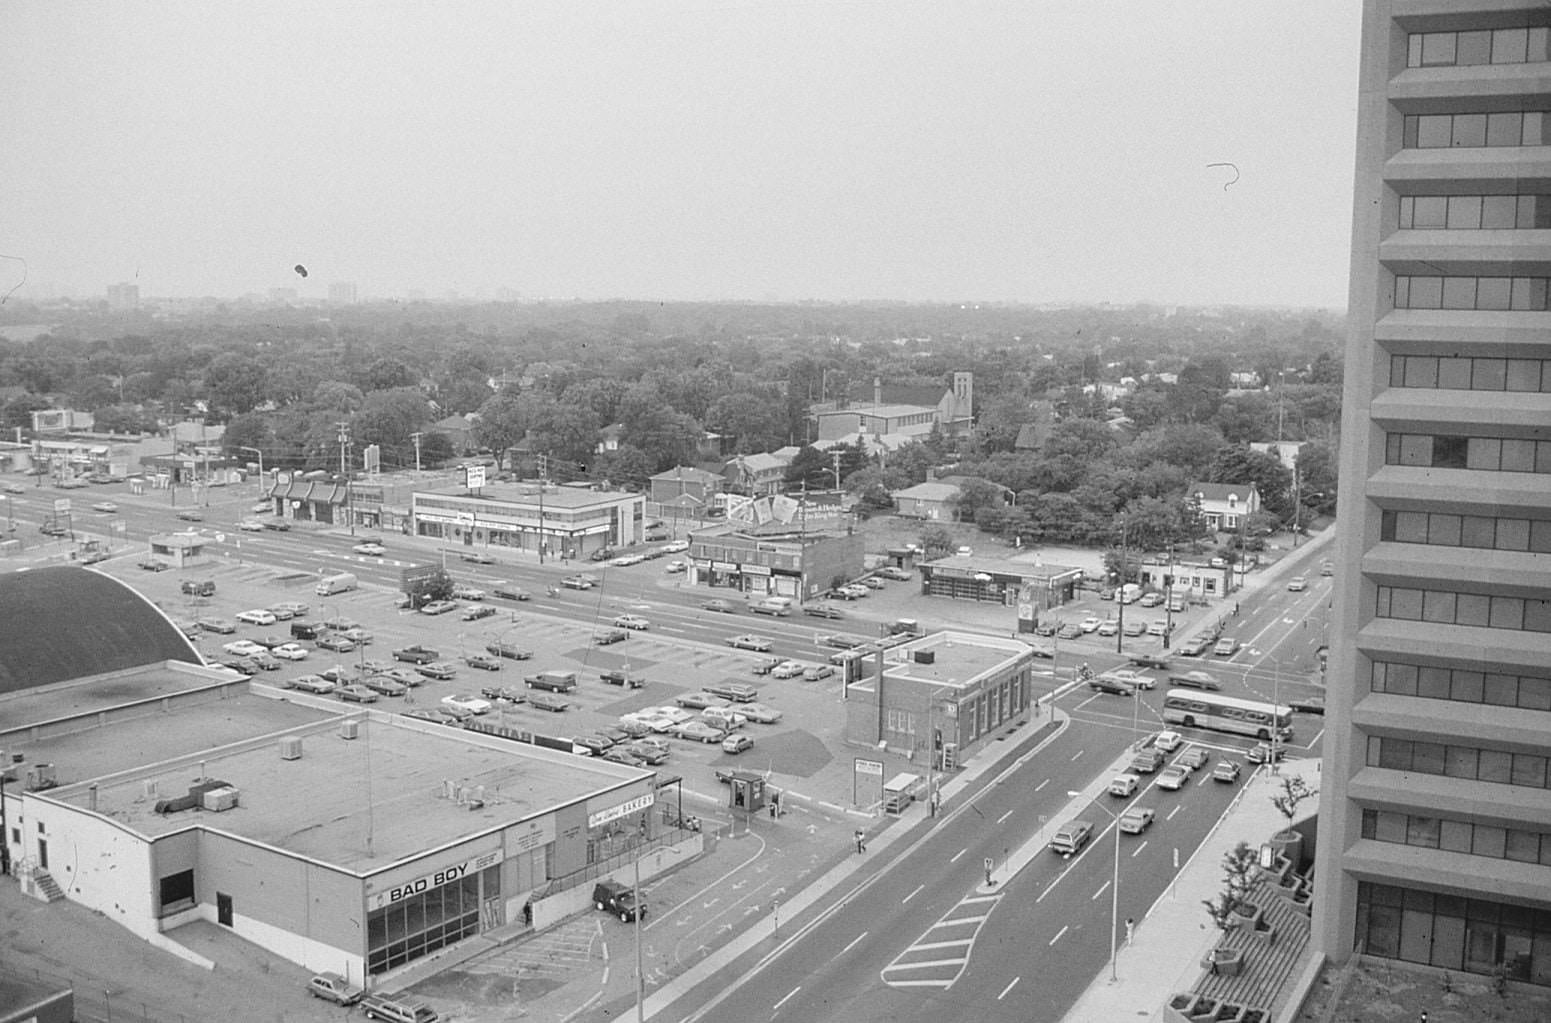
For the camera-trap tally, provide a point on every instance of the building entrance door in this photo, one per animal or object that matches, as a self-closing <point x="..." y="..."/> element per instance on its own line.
<point x="223" y="909"/>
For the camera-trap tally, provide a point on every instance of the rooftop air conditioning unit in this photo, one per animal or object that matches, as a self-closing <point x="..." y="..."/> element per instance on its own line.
<point x="926" y="657"/>
<point x="148" y="788"/>
<point x="350" y="730"/>
<point x="218" y="800"/>
<point x="291" y="747"/>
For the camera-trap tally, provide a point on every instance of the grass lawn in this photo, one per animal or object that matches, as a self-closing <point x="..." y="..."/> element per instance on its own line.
<point x="1385" y="990"/>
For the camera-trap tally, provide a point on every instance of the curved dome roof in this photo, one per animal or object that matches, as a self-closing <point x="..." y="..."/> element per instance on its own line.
<point x="66" y="622"/>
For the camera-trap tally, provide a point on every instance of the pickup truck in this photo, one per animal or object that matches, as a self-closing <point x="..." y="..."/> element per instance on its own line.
<point x="554" y="681"/>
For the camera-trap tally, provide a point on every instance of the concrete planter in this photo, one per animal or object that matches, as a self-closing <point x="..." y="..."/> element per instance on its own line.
<point x="1224" y="962"/>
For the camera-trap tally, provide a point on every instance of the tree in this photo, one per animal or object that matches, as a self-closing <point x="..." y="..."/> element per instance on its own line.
<point x="503" y="421"/>
<point x="937" y="542"/>
<point x="1317" y="477"/>
<point x="18" y="411"/>
<point x="754" y="420"/>
<point x="976" y="496"/>
<point x="338" y="396"/>
<point x="436" y="449"/>
<point x="810" y="468"/>
<point x="235" y="384"/>
<point x="627" y="467"/>
<point x="434" y="586"/>
<point x="389" y="418"/>
<point x="385" y="374"/>
<point x="1239" y="866"/>
<point x="1294" y="791"/>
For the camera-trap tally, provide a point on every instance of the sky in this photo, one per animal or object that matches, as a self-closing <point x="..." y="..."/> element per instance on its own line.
<point x="963" y="150"/>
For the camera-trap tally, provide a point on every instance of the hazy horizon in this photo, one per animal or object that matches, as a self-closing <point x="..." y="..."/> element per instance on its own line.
<point x="835" y="152"/>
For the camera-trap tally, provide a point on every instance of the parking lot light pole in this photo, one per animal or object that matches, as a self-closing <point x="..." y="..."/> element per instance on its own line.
<point x="1114" y="889"/>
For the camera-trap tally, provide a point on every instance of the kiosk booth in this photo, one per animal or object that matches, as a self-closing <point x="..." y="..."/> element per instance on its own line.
<point x="899" y="792"/>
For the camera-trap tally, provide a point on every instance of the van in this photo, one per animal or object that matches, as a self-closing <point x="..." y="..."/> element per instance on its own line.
<point x="306" y="630"/>
<point x="340" y="582"/>
<point x="778" y="606"/>
<point x="1130" y="593"/>
<point x="398" y="1009"/>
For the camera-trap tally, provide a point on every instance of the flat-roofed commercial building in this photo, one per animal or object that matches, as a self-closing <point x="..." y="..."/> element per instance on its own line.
<point x="562" y="522"/>
<point x="961" y="688"/>
<point x="1435" y="827"/>
<point x="357" y="840"/>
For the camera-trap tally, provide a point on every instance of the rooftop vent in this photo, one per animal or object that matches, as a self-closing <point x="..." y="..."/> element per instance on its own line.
<point x="291" y="747"/>
<point x="926" y="657"/>
<point x="350" y="729"/>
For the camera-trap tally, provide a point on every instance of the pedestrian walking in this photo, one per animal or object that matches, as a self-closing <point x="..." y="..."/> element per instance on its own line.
<point x="861" y="841"/>
<point x="936" y="802"/>
<point x="1130" y="929"/>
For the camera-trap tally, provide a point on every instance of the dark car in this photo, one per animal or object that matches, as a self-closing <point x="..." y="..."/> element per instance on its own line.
<point x="335" y="642"/>
<point x="483" y="661"/>
<point x="416" y="654"/>
<point x="511" y="694"/>
<point x="606" y="637"/>
<point x="382" y="685"/>
<point x="277" y="525"/>
<point x="620" y="678"/>
<point x="152" y="565"/>
<point x="1150" y="661"/>
<point x="822" y="611"/>
<point x="509" y="591"/>
<point x="198" y="587"/>
<point x="436" y="670"/>
<point x="219" y="626"/>
<point x="595" y="745"/>
<point x="1308" y="705"/>
<point x="512" y="650"/>
<point x="618" y="899"/>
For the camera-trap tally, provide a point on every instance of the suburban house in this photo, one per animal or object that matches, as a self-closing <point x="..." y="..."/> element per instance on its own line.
<point x="933" y="500"/>
<point x="685" y="487"/>
<point x="1224" y="505"/>
<point x="759" y="473"/>
<point x="609" y="438"/>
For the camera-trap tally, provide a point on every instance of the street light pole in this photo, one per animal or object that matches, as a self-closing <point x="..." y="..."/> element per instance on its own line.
<point x="1114" y="889"/>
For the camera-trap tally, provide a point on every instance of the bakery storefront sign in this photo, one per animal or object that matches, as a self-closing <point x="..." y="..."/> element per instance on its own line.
<point x="614" y="813"/>
<point x="446" y="875"/>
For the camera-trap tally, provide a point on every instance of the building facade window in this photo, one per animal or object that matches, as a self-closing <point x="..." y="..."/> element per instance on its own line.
<point x="1485" y="454"/>
<point x="1458" y="836"/>
<point x="1474" y="212"/>
<point x="1515" y="294"/>
<point x="1478" y="47"/>
<point x="1499" y="689"/>
<point x="1471" y="763"/>
<point x="1462" y="373"/>
<point x="1476" y="130"/>
<point x="1453" y="933"/>
<point x="1487" y="532"/>
<point x="419" y="925"/>
<point x="1448" y="607"/>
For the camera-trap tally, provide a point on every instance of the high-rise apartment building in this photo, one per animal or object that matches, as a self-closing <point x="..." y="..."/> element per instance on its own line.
<point x="1435" y="822"/>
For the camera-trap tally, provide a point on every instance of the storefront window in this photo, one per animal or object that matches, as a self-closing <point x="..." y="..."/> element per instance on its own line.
<point x="413" y="927"/>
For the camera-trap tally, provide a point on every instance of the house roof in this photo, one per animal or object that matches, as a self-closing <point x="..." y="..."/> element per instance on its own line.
<point x="112" y="628"/>
<point x="928" y="492"/>
<point x="685" y="472"/>
<point x="761" y="462"/>
<point x="882" y="411"/>
<point x="452" y="423"/>
<point x="1221" y="491"/>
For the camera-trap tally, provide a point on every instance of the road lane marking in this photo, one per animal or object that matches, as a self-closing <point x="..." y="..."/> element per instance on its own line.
<point x="956" y="855"/>
<point x="1004" y="816"/>
<point x="783" y="1001"/>
<point x="1078" y="754"/>
<point x="1058" y="936"/>
<point x="978" y="898"/>
<point x="942" y="944"/>
<point x="941" y="972"/>
<point x="913" y="894"/>
<point x="854" y="941"/>
<point x="1174" y="811"/>
<point x="1139" y="849"/>
<point x="1042" y="784"/>
<point x="1102" y="889"/>
<point x="1006" y="990"/>
<point x="921" y="983"/>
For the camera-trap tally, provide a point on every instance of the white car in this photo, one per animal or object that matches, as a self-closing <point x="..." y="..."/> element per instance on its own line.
<point x="759" y="712"/>
<point x="787" y="669"/>
<point x="257" y="616"/>
<point x="461" y="592"/>
<point x="635" y="622"/>
<point x="1090" y="623"/>
<point x="375" y="550"/>
<point x="676" y="566"/>
<point x="675" y="547"/>
<point x="290" y="652"/>
<point x="243" y="648"/>
<point x="1131" y="678"/>
<point x="1226" y="647"/>
<point x="1168" y="741"/>
<point x="105" y="506"/>
<point x="472" y="704"/>
<point x="1157" y="627"/>
<point x="251" y="526"/>
<point x="1174" y="776"/>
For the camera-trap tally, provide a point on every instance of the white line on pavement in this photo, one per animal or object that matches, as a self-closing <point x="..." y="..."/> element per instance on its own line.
<point x="956" y="855"/>
<point x="1102" y="889"/>
<point x="1058" y="936"/>
<point x="1173" y="812"/>
<point x="1006" y="990"/>
<point x="918" y="946"/>
<point x="1139" y="849"/>
<point x="1078" y="754"/>
<point x="1042" y="784"/>
<point x="913" y="894"/>
<point x="788" y="995"/>
<point x="1004" y="816"/>
<point x="854" y="940"/>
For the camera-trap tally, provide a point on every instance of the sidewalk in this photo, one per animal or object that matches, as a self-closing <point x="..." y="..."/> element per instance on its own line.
<point x="1164" y="956"/>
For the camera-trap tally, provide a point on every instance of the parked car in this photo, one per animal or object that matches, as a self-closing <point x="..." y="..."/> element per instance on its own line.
<point x="311" y="684"/>
<point x="635" y="622"/>
<point x="198" y="587"/>
<point x="439" y="670"/>
<point x="478" y="611"/>
<point x="699" y="731"/>
<point x="1151" y="599"/>
<point x="1109" y="627"/>
<point x="737" y="743"/>
<point x="895" y="573"/>
<point x="338" y="674"/>
<point x="255" y="617"/>
<point x="1195" y="646"/>
<point x="509" y="650"/>
<point x="243" y="648"/>
<point x="761" y="644"/>
<point x="334" y="641"/>
<point x="699" y="701"/>
<point x="435" y="715"/>
<point x="615" y="677"/>
<point x="725" y="718"/>
<point x="608" y="637"/>
<point x="822" y="610"/>
<point x="355" y="692"/>
<point x="1134" y="627"/>
<point x="544" y="701"/>
<point x="219" y="626"/>
<point x="288" y="609"/>
<point x="760" y="713"/>
<point x="484" y="662"/>
<point x="472" y="704"/>
<point x="1137" y="819"/>
<point x="1090" y="623"/>
<point x="439" y="607"/>
<point x="290" y="652"/>
<point x="246" y="665"/>
<point x="1069" y="630"/>
<point x="507" y="694"/>
<point x="787" y="669"/>
<point x="622" y="755"/>
<point x="331" y="987"/>
<point x="595" y="745"/>
<point x="727" y="689"/>
<point x="403" y="675"/>
<point x="382" y="685"/>
<point x="1158" y="627"/>
<point x="415" y="654"/>
<point x="720" y="606"/>
<point x="463" y="591"/>
<point x="817" y="672"/>
<point x="649" y="751"/>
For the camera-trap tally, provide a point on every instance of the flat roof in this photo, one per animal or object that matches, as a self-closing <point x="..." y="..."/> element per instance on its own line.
<point x="528" y="494"/>
<point x="969" y="564"/>
<point x="361" y="804"/>
<point x="959" y="659"/>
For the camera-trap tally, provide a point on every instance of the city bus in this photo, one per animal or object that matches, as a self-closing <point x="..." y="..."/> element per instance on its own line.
<point x="1194" y="709"/>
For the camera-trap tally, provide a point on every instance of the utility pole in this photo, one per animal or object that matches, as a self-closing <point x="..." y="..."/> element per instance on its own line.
<point x="416" y="438"/>
<point x="344" y="470"/>
<point x="1121" y="590"/>
<point x="836" y="456"/>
